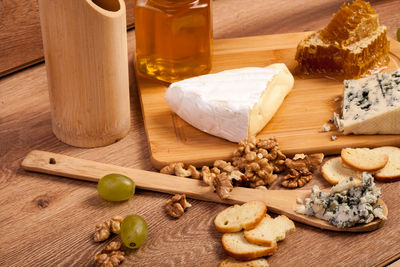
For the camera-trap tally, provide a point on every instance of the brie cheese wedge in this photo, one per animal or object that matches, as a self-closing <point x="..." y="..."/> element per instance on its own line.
<point x="231" y="104"/>
<point x="371" y="105"/>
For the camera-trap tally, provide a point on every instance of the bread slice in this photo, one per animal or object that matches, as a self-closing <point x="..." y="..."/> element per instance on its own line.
<point x="270" y="230"/>
<point x="333" y="171"/>
<point x="364" y="159"/>
<point x="231" y="262"/>
<point x="239" y="217"/>
<point x="391" y="171"/>
<point x="238" y="247"/>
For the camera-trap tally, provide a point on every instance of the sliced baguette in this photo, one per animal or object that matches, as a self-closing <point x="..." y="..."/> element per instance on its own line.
<point x="391" y="171"/>
<point x="270" y="230"/>
<point x="239" y="217"/>
<point x="231" y="262"/>
<point x="333" y="171"/>
<point x="238" y="247"/>
<point x="364" y="159"/>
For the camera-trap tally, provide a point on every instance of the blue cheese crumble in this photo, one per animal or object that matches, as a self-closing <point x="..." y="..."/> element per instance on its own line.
<point x="346" y="204"/>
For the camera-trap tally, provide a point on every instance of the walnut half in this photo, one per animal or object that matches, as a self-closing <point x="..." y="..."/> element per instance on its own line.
<point x="103" y="230"/>
<point x="176" y="206"/>
<point x="208" y="176"/>
<point x="300" y="170"/>
<point x="179" y="169"/>
<point x="223" y="185"/>
<point x="110" y="256"/>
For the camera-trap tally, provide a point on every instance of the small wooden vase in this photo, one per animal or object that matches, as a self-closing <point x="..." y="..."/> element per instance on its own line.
<point x="86" y="55"/>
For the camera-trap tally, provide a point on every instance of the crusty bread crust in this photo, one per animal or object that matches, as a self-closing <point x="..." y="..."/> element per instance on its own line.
<point x="391" y="171"/>
<point x="364" y="159"/>
<point x="231" y="262"/>
<point x="228" y="240"/>
<point x="333" y="171"/>
<point x="239" y="217"/>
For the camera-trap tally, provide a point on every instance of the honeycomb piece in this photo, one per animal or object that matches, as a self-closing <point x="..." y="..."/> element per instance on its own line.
<point x="353" y="43"/>
<point x="351" y="23"/>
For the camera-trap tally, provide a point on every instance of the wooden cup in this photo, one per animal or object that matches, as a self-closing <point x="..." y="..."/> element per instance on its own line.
<point x="85" y="47"/>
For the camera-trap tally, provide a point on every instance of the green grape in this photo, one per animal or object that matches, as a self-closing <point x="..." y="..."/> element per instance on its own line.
<point x="116" y="187"/>
<point x="133" y="231"/>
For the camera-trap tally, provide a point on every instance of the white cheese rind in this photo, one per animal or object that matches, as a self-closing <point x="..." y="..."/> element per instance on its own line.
<point x="231" y="104"/>
<point x="371" y="105"/>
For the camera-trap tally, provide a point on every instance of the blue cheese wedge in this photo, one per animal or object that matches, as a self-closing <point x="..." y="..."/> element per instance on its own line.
<point x="346" y="204"/>
<point x="371" y="105"/>
<point x="231" y="104"/>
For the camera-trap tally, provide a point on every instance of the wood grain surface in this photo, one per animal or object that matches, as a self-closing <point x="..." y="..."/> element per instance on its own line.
<point x="20" y="36"/>
<point x="300" y="117"/>
<point x="49" y="221"/>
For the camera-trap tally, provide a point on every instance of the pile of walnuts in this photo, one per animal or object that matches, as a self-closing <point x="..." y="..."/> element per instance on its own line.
<point x="256" y="164"/>
<point x="259" y="161"/>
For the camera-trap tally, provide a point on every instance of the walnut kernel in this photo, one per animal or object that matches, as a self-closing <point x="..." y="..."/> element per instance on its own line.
<point x="115" y="226"/>
<point x="207" y="176"/>
<point x="176" y="206"/>
<point x="169" y="169"/>
<point x="110" y="256"/>
<point x="194" y="173"/>
<point x="103" y="230"/>
<point x="300" y="170"/>
<point x="178" y="169"/>
<point x="223" y="185"/>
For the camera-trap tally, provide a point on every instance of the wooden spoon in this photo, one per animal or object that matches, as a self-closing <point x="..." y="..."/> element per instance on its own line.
<point x="278" y="201"/>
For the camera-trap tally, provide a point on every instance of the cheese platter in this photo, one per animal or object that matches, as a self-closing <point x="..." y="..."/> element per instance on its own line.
<point x="38" y="208"/>
<point x="296" y="125"/>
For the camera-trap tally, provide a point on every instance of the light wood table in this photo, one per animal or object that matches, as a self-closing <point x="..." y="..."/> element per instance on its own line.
<point x="49" y="221"/>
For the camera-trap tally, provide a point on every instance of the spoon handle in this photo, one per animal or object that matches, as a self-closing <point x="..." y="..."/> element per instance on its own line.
<point x="81" y="169"/>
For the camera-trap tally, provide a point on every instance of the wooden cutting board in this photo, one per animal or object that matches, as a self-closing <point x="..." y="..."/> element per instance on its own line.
<point x="296" y="125"/>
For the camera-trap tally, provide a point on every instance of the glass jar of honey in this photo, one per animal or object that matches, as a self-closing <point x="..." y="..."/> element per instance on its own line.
<point x="173" y="38"/>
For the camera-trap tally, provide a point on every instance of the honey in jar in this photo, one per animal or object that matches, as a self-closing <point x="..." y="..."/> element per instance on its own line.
<point x="173" y="38"/>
